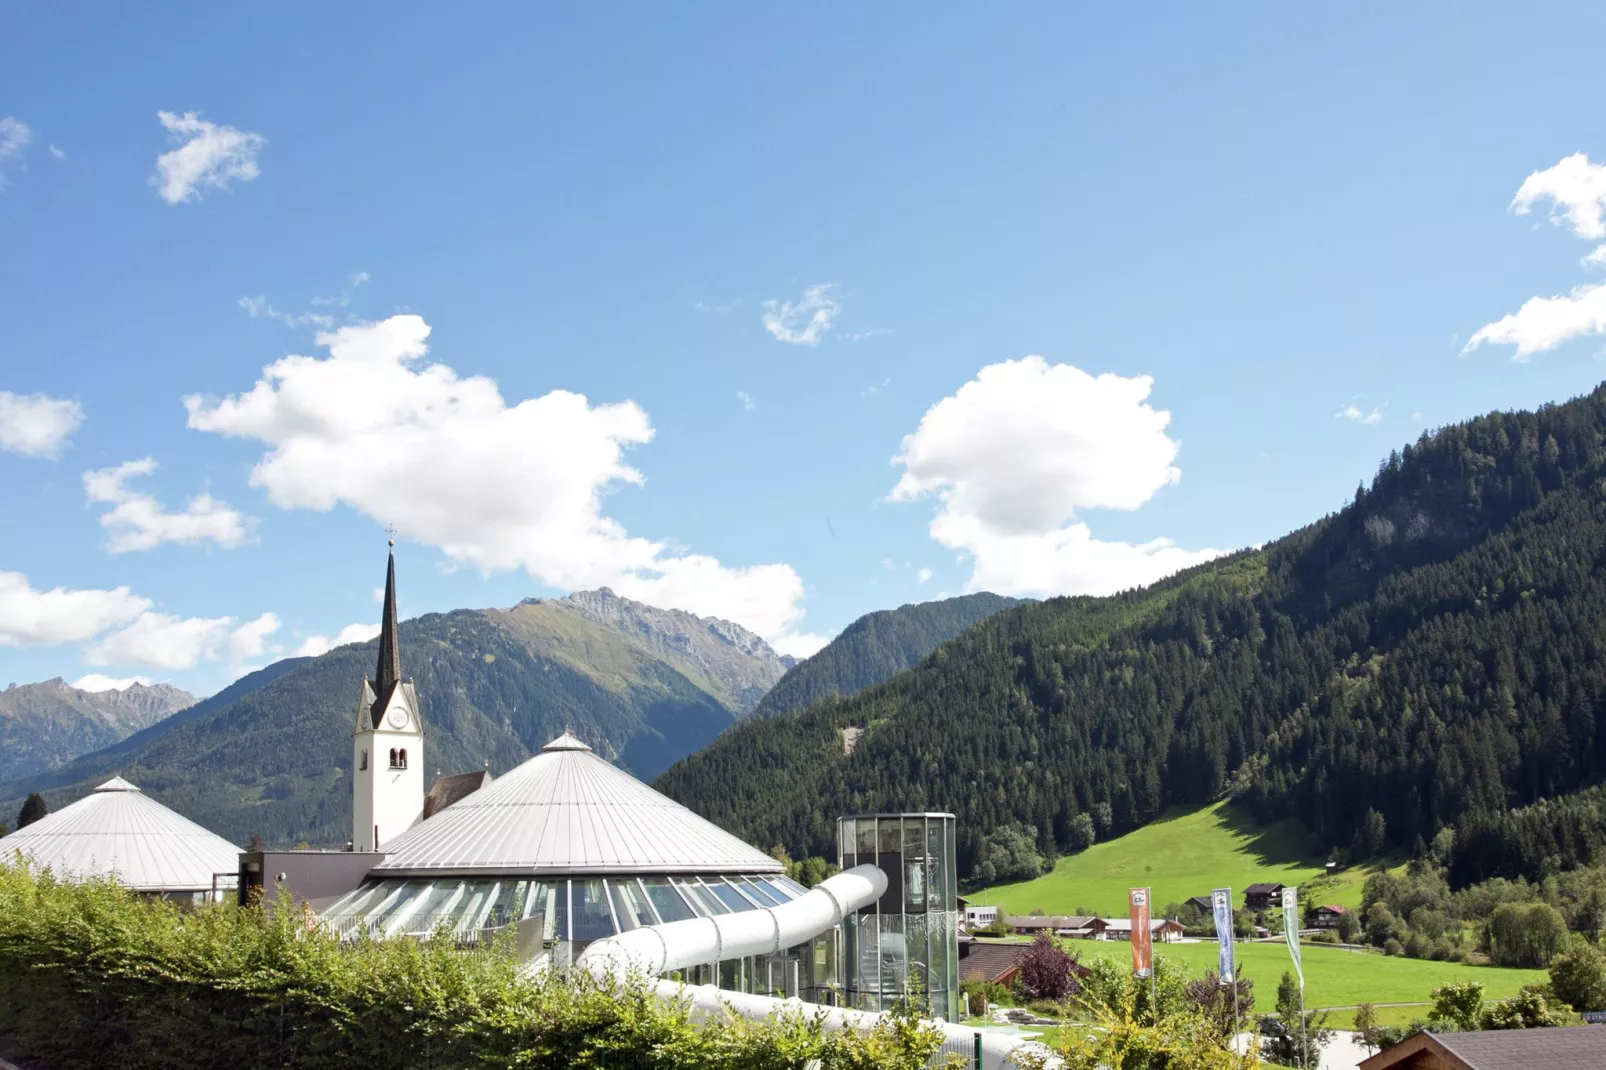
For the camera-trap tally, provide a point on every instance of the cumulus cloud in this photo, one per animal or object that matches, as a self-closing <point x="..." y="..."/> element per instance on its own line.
<point x="1018" y="452"/>
<point x="30" y="617"/>
<point x="165" y="641"/>
<point x="1576" y="190"/>
<point x="804" y="321"/>
<point x="96" y="681"/>
<point x="1357" y="415"/>
<point x="1544" y="323"/>
<point x="138" y="522"/>
<point x="209" y="156"/>
<point x="313" y="645"/>
<point x="448" y="462"/>
<point x="923" y="576"/>
<point x="14" y="137"/>
<point x="35" y="425"/>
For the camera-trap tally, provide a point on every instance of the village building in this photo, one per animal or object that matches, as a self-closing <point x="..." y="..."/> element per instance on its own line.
<point x="1560" y="1048"/>
<point x="1263" y="897"/>
<point x="1327" y="916"/>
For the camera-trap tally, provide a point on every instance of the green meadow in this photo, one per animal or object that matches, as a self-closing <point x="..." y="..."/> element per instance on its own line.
<point x="1186" y="852"/>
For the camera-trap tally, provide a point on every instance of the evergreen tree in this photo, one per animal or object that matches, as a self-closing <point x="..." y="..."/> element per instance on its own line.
<point x="33" y="808"/>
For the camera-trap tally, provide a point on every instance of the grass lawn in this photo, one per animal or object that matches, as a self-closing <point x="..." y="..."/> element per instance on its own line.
<point x="1333" y="978"/>
<point x="1186" y="852"/>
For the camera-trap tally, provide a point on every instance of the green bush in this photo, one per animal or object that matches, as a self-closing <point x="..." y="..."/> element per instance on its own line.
<point x="93" y="976"/>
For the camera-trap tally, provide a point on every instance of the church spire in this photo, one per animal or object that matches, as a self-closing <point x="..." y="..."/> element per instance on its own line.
<point x="388" y="674"/>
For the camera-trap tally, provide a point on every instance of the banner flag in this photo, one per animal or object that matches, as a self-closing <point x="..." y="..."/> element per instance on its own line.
<point x="1221" y="907"/>
<point x="1291" y="928"/>
<point x="1142" y="946"/>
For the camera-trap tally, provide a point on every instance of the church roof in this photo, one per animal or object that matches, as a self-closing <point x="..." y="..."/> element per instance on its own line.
<point x="567" y="811"/>
<point x="387" y="675"/>
<point x="449" y="789"/>
<point x="119" y="830"/>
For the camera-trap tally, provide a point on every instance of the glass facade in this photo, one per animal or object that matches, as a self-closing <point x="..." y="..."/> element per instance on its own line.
<point x="906" y="943"/>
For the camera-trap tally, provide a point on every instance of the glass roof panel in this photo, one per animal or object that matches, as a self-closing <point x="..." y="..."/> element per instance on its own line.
<point x="730" y="896"/>
<point x="764" y="893"/>
<point x="669" y="903"/>
<point x="701" y="898"/>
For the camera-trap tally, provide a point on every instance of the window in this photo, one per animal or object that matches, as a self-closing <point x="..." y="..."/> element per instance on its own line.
<point x="393" y="757"/>
<point x="398" y="758"/>
<point x="404" y="758"/>
<point x="364" y="764"/>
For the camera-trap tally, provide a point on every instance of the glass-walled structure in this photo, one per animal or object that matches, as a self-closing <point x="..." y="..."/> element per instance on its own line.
<point x="907" y="942"/>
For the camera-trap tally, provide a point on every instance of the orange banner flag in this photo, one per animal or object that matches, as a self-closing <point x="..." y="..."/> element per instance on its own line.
<point x="1142" y="943"/>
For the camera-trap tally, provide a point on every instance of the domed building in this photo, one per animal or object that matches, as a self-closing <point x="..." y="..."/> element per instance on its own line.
<point x="119" y="831"/>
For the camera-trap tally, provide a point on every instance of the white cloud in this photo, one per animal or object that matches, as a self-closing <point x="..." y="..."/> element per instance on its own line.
<point x="138" y="522"/>
<point x="923" y="576"/>
<point x="343" y="299"/>
<point x="803" y="322"/>
<point x="35" y="425"/>
<point x="30" y="617"/>
<point x="799" y="644"/>
<point x="747" y="400"/>
<point x="1356" y="415"/>
<point x="313" y="645"/>
<point x="260" y="308"/>
<point x="1594" y="258"/>
<point x="164" y="641"/>
<point x="1543" y="323"/>
<point x="874" y="332"/>
<point x="61" y="154"/>
<point x="496" y="486"/>
<point x="720" y="308"/>
<point x="14" y="137"/>
<point x="1576" y="190"/>
<point x="96" y="681"/>
<point x="1016" y="453"/>
<point x="209" y="156"/>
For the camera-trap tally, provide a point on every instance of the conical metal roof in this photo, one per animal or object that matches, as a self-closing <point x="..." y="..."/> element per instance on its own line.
<point x="566" y="811"/>
<point x="119" y="830"/>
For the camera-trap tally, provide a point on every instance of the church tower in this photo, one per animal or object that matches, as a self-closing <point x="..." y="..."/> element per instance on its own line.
<point x="387" y="743"/>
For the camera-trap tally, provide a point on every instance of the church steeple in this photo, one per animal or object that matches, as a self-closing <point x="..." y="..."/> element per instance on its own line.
<point x="389" y="671"/>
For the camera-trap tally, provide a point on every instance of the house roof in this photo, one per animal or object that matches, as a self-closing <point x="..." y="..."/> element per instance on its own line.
<point x="1561" y="1048"/>
<point x="118" y="830"/>
<point x="449" y="789"/>
<point x="992" y="962"/>
<point x="567" y="811"/>
<point x="1263" y="889"/>
<point x="1335" y="908"/>
<point x="1051" y="921"/>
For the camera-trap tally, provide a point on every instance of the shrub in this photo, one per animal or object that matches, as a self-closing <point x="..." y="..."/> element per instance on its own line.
<point x="1459" y="1004"/>
<point x="1528" y="935"/>
<point x="1046" y="971"/>
<point x="1215" y="1000"/>
<point x="1530" y="1008"/>
<point x="1392" y="946"/>
<point x="93" y="976"/>
<point x="1578" y="976"/>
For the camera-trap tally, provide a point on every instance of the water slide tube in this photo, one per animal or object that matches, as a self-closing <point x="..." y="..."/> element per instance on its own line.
<point x="654" y="950"/>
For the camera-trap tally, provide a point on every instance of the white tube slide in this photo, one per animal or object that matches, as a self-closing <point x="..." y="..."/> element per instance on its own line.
<point x="657" y="949"/>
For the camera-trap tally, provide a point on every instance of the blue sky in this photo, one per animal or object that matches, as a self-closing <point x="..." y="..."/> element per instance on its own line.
<point x="737" y="302"/>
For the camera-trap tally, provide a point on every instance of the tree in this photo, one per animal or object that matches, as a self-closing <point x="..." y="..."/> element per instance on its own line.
<point x="1215" y="1001"/>
<point x="1082" y="834"/>
<point x="255" y="844"/>
<point x="1578" y="976"/>
<point x="1010" y="854"/>
<point x="33" y="808"/>
<point x="1461" y="1005"/>
<point x="1289" y="1037"/>
<point x="1530" y="1008"/>
<point x="1366" y="1026"/>
<point x="1372" y="837"/>
<point x="4" y="831"/>
<point x="1525" y="935"/>
<point x="1349" y="927"/>
<point x="811" y="870"/>
<point x="1046" y="971"/>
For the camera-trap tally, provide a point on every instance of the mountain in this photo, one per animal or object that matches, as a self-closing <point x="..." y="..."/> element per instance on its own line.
<point x="739" y="667"/>
<point x="1428" y="657"/>
<point x="47" y="724"/>
<point x="495" y="685"/>
<point x="876" y="646"/>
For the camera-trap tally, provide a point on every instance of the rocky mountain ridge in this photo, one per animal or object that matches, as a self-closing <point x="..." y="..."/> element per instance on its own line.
<point x="47" y="724"/>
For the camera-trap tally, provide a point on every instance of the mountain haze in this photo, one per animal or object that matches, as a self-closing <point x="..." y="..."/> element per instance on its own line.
<point x="495" y="685"/>
<point x="1434" y="652"/>
<point x="876" y="646"/>
<point x="48" y="724"/>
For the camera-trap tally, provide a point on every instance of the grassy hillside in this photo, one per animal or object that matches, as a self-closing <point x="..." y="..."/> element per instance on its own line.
<point x="877" y="646"/>
<point x="1187" y="851"/>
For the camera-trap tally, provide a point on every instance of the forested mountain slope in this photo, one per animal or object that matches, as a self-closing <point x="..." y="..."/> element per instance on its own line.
<point x="495" y="686"/>
<point x="875" y="647"/>
<point x="47" y="724"/>
<point x="1433" y="651"/>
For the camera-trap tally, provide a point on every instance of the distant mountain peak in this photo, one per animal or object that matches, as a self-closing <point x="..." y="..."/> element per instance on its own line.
<point x="46" y="724"/>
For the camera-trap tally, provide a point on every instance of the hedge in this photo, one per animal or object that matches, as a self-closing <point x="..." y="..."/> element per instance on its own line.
<point x="92" y="975"/>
